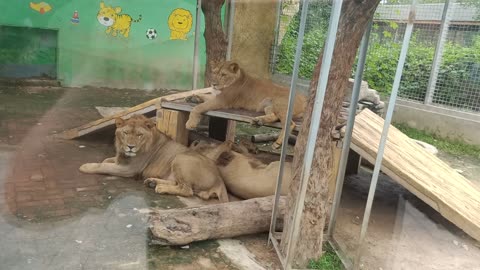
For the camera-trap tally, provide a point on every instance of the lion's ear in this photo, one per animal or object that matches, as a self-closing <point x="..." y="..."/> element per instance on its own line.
<point x="233" y="67"/>
<point x="119" y="122"/>
<point x="149" y="123"/>
<point x="118" y="10"/>
<point x="102" y="5"/>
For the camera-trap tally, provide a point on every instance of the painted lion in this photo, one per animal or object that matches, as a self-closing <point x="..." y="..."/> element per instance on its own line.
<point x="141" y="149"/>
<point x="180" y="23"/>
<point x="114" y="21"/>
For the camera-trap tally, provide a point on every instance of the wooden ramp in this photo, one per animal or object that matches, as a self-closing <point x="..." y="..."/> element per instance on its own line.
<point x="145" y="108"/>
<point x="422" y="173"/>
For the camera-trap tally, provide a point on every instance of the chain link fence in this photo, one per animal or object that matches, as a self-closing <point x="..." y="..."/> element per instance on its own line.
<point x="443" y="63"/>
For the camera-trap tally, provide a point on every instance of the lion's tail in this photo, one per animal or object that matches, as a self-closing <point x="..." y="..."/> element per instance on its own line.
<point x="139" y="18"/>
<point x="222" y="193"/>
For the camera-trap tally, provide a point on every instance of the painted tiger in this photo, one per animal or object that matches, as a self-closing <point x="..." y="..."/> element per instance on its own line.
<point x="114" y="21"/>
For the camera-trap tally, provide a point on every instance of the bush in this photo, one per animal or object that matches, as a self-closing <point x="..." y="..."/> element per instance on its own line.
<point x="314" y="39"/>
<point x="458" y="82"/>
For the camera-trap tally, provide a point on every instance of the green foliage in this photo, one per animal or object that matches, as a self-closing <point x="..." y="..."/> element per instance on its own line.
<point x="456" y="70"/>
<point x="454" y="147"/>
<point x="328" y="261"/>
<point x="314" y="39"/>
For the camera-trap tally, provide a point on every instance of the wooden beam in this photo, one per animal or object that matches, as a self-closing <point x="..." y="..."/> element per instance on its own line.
<point x="144" y="108"/>
<point x="172" y="124"/>
<point x="236" y="115"/>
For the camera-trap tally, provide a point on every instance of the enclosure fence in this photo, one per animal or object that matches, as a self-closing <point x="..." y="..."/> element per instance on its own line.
<point x="443" y="63"/>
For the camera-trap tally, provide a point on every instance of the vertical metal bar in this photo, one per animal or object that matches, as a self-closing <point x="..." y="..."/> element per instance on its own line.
<point x="286" y="126"/>
<point x="277" y="33"/>
<point x="198" y="20"/>
<point x="314" y="127"/>
<point x="437" y="58"/>
<point x="230" y="29"/>
<point x="386" y="126"/>
<point x="349" y="129"/>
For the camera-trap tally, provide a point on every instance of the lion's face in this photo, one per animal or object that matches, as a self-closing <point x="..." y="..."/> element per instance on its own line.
<point x="106" y="15"/>
<point x="225" y="74"/>
<point x="134" y="136"/>
<point x="180" y="20"/>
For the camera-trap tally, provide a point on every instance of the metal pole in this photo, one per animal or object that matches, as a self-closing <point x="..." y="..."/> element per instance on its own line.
<point x="277" y="32"/>
<point x="314" y="127"/>
<point x="386" y="126"/>
<point x="349" y="129"/>
<point x="437" y="58"/>
<point x="230" y="29"/>
<point x="198" y="20"/>
<point x="286" y="127"/>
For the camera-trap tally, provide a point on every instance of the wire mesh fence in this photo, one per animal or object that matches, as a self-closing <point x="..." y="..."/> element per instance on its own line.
<point x="443" y="63"/>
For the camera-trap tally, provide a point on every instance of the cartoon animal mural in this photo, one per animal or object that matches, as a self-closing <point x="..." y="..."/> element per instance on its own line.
<point x="114" y="21"/>
<point x="41" y="7"/>
<point x="180" y="23"/>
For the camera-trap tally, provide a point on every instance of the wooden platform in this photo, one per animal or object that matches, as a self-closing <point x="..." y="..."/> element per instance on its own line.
<point x="422" y="173"/>
<point x="236" y="115"/>
<point x="146" y="108"/>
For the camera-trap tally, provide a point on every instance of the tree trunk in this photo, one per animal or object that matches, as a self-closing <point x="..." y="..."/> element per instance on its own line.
<point x="216" y="41"/>
<point x="353" y="21"/>
<point x="225" y="220"/>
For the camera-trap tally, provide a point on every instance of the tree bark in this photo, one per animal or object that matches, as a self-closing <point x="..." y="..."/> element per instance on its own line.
<point x="353" y="22"/>
<point x="215" y="38"/>
<point x="225" y="220"/>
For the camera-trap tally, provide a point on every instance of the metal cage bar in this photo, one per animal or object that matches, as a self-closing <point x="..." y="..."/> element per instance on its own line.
<point x="277" y="33"/>
<point x="383" y="138"/>
<point x="231" y="16"/>
<point x="291" y="99"/>
<point x="352" y="110"/>
<point x="313" y="131"/>
<point x="198" y="20"/>
<point x="437" y="58"/>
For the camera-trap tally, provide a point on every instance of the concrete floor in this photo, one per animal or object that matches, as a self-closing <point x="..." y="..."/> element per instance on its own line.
<point x="54" y="217"/>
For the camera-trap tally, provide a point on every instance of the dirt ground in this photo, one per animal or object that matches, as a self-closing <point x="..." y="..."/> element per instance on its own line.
<point x="54" y="217"/>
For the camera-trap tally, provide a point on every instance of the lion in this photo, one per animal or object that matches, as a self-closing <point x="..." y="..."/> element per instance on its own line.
<point x="180" y="23"/>
<point x="114" y="21"/>
<point x="245" y="176"/>
<point x="238" y="90"/>
<point x="141" y="149"/>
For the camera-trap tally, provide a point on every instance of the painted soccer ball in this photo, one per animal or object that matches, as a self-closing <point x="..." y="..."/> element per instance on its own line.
<point x="151" y="33"/>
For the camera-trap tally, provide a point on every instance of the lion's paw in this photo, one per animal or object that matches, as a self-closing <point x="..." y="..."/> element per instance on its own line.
<point x="150" y="182"/>
<point x="276" y="145"/>
<point x="194" y="99"/>
<point x="191" y="124"/>
<point x="89" y="167"/>
<point x="256" y="122"/>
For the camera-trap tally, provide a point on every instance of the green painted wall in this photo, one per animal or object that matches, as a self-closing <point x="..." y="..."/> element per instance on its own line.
<point x="87" y="55"/>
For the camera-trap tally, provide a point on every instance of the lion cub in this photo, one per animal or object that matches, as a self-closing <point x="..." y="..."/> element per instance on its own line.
<point x="173" y="168"/>
<point x="238" y="90"/>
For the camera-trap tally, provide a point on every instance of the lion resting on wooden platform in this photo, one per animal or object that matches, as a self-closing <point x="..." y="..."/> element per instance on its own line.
<point x="238" y="90"/>
<point x="173" y="168"/>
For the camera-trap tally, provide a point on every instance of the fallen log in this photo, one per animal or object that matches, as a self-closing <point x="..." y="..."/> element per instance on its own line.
<point x="225" y="220"/>
<point x="258" y="138"/>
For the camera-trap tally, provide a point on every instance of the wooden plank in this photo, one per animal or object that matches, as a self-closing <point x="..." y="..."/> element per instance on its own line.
<point x="172" y="124"/>
<point x="422" y="173"/>
<point x="236" y="115"/>
<point x="144" y="108"/>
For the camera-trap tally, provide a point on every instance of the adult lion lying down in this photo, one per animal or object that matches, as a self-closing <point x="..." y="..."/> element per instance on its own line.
<point x="143" y="150"/>
<point x="238" y="90"/>
<point x="245" y="176"/>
